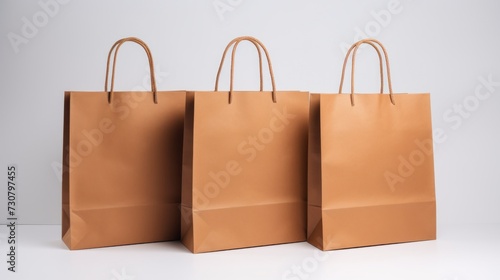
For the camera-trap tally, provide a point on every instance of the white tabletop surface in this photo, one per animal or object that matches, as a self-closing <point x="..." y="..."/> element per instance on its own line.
<point x="461" y="252"/>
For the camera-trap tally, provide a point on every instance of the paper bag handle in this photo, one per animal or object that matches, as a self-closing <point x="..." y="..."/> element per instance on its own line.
<point x="116" y="46"/>
<point x="261" y="86"/>
<point x="236" y="42"/>
<point x="388" y="70"/>
<point x="380" y="65"/>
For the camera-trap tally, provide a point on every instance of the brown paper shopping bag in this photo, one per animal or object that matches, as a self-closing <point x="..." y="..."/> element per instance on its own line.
<point x="244" y="166"/>
<point x="122" y="164"/>
<point x="371" y="174"/>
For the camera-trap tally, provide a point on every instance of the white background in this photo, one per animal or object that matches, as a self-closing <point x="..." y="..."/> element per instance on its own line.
<point x="441" y="47"/>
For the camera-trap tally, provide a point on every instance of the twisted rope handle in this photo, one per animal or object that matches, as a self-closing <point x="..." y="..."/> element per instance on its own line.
<point x="261" y="87"/>
<point x="374" y="43"/>
<point x="236" y="42"/>
<point x="116" y="46"/>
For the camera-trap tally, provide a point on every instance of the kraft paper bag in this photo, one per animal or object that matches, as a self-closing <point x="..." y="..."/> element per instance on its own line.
<point x="122" y="164"/>
<point x="371" y="172"/>
<point x="244" y="166"/>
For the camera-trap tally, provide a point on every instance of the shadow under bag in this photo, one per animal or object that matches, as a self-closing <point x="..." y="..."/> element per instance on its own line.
<point x="371" y="166"/>
<point x="122" y="164"/>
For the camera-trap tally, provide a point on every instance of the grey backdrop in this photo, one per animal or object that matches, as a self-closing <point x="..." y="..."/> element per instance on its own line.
<point x="448" y="48"/>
